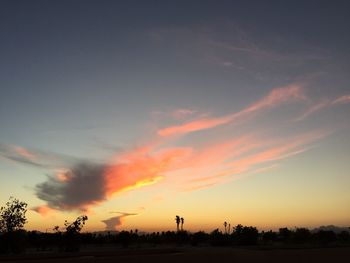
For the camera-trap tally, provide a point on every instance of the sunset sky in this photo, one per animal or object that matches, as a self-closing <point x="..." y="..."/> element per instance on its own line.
<point x="133" y="112"/>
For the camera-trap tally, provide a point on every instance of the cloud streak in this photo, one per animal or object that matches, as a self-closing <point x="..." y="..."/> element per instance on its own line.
<point x="322" y="104"/>
<point x="342" y="99"/>
<point x="276" y="97"/>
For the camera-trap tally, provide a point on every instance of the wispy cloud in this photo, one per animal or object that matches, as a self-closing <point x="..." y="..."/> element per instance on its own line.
<point x="312" y="109"/>
<point x="183" y="113"/>
<point x="24" y="153"/>
<point x="35" y="158"/>
<point x="276" y="97"/>
<point x="342" y="99"/>
<point x="221" y="163"/>
<point x="322" y="104"/>
<point x="19" y="154"/>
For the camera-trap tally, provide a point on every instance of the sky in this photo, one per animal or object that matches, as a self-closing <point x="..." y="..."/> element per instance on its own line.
<point x="132" y="112"/>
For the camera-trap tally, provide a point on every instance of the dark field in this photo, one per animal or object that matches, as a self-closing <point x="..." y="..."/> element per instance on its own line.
<point x="189" y="254"/>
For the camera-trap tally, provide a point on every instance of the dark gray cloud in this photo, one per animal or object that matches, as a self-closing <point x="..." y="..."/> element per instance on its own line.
<point x="77" y="188"/>
<point x="80" y="187"/>
<point x="116" y="221"/>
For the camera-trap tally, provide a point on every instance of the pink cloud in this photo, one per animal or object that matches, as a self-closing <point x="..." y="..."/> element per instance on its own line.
<point x="24" y="153"/>
<point x="313" y="109"/>
<point x="228" y="165"/>
<point x="276" y="97"/>
<point x="183" y="113"/>
<point x="324" y="103"/>
<point x="284" y="149"/>
<point x="342" y="99"/>
<point x="197" y="125"/>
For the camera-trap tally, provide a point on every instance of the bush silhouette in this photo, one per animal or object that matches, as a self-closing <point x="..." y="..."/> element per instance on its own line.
<point x="269" y="236"/>
<point x="245" y="235"/>
<point x="284" y="234"/>
<point x="325" y="237"/>
<point x="72" y="234"/>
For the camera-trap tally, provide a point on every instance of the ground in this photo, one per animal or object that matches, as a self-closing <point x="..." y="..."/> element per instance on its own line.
<point x="189" y="254"/>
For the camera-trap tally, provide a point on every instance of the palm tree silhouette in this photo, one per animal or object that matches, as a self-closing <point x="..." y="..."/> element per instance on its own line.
<point x="182" y="223"/>
<point x="225" y="225"/>
<point x="177" y="220"/>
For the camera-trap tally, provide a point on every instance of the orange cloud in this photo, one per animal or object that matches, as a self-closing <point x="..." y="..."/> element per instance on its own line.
<point x="141" y="168"/>
<point x="44" y="210"/>
<point x="63" y="175"/>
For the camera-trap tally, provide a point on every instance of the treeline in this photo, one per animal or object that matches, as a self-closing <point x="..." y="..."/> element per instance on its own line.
<point x="14" y="239"/>
<point x="240" y="236"/>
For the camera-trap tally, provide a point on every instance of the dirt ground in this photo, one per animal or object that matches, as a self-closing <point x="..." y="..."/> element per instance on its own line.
<point x="191" y="255"/>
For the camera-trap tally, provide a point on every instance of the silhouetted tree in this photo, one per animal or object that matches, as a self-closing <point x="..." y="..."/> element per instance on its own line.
<point x="225" y="225"/>
<point x="177" y="220"/>
<point x="326" y="236"/>
<point x="199" y="237"/>
<point x="238" y="229"/>
<point x="12" y="220"/>
<point x="217" y="238"/>
<point x="125" y="238"/>
<point x="284" y="234"/>
<point x="76" y="226"/>
<point x="344" y="236"/>
<point x="182" y="223"/>
<point x="56" y="229"/>
<point x="245" y="235"/>
<point x="269" y="236"/>
<point x="13" y="215"/>
<point x="302" y="235"/>
<point x="72" y="233"/>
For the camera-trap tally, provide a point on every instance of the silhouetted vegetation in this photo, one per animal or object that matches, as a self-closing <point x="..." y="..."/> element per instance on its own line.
<point x="240" y="236"/>
<point x="13" y="239"/>
<point x="12" y="220"/>
<point x="177" y="220"/>
<point x="70" y="239"/>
